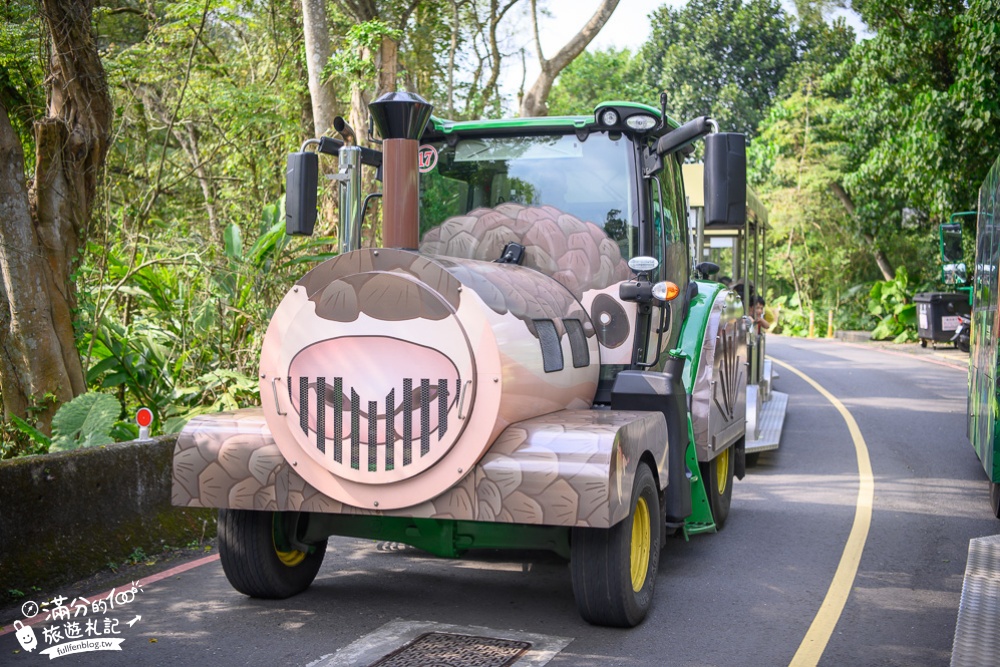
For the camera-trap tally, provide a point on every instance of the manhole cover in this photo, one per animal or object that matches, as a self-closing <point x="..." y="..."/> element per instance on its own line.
<point x="441" y="649"/>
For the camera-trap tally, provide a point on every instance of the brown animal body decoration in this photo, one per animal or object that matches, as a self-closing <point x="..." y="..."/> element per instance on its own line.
<point x="387" y="374"/>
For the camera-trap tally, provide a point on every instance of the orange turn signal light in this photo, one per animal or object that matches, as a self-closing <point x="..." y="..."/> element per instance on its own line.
<point x="666" y="291"/>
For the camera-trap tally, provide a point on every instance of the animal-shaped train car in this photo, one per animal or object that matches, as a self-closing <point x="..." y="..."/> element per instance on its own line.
<point x="529" y="360"/>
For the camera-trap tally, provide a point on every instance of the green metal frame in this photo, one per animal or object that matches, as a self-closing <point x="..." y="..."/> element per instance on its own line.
<point x="691" y="340"/>
<point x="442" y="537"/>
<point x="534" y="124"/>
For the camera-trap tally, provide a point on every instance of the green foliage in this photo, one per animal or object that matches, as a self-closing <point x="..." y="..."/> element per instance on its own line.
<point x="596" y="77"/>
<point x="355" y="60"/>
<point x="21" y="437"/>
<point x="892" y="302"/>
<point x="21" y="91"/>
<point x="793" y="319"/>
<point x="924" y="106"/>
<point x="726" y="58"/>
<point x="85" y="421"/>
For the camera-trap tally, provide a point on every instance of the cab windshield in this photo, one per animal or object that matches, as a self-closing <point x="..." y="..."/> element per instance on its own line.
<point x="554" y="175"/>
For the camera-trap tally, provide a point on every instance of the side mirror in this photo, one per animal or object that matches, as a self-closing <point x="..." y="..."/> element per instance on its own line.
<point x="301" y="182"/>
<point x="725" y="179"/>
<point x="953" y="271"/>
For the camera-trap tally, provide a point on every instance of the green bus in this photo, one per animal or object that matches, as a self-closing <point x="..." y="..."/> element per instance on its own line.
<point x="983" y="425"/>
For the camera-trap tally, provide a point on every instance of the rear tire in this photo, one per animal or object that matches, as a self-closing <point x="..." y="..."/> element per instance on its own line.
<point x="614" y="569"/>
<point x="995" y="499"/>
<point x="718" y="476"/>
<point x="258" y="559"/>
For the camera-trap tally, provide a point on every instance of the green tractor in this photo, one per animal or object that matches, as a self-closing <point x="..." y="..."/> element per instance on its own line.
<point x="530" y="360"/>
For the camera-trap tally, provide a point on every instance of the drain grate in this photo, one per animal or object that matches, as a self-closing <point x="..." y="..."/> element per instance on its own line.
<point x="442" y="649"/>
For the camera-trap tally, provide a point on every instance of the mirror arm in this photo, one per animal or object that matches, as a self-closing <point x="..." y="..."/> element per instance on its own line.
<point x="685" y="135"/>
<point x="659" y="338"/>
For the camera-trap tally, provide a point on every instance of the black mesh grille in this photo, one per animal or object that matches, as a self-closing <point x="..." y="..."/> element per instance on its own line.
<point x="442" y="408"/>
<point x="407" y="421"/>
<point x="390" y="430"/>
<point x="577" y="343"/>
<point x="321" y="414"/>
<point x="355" y="426"/>
<point x="372" y="436"/>
<point x="552" y="358"/>
<point x="424" y="400"/>
<point x="338" y="420"/>
<point x="304" y="404"/>
<point x="425" y="417"/>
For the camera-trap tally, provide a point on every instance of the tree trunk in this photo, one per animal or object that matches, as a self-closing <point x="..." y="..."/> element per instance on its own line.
<point x="535" y="103"/>
<point x="43" y="229"/>
<point x="387" y="64"/>
<point x="888" y="273"/>
<point x="317" y="36"/>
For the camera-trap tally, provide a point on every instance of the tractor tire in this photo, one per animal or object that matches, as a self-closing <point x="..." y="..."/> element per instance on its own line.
<point x="257" y="560"/>
<point x="718" y="476"/>
<point x="614" y="569"/>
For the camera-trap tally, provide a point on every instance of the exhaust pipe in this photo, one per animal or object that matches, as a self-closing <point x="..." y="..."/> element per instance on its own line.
<point x="400" y="119"/>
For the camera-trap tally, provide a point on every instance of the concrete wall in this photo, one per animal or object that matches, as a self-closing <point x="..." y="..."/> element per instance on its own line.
<point x="65" y="516"/>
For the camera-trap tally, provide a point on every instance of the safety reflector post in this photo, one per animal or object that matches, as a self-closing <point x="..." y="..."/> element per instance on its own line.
<point x="144" y="418"/>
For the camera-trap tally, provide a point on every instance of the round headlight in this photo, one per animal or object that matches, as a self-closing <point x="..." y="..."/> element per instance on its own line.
<point x="609" y="117"/>
<point x="641" y="122"/>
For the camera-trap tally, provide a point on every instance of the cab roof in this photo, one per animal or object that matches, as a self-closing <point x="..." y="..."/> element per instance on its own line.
<point x="558" y="124"/>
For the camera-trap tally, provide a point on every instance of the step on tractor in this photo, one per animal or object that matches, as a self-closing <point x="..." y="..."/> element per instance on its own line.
<point x="531" y="359"/>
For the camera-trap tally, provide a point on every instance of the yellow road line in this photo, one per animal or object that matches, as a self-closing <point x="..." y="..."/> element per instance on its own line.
<point x="814" y="643"/>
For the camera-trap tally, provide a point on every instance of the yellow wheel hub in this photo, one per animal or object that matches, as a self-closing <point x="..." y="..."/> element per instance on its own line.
<point x="292" y="557"/>
<point x="639" y="557"/>
<point x="722" y="471"/>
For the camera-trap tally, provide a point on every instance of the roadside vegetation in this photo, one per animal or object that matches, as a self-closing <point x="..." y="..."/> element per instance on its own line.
<point x="166" y="255"/>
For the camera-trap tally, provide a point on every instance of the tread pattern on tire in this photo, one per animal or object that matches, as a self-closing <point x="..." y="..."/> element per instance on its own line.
<point x="252" y="566"/>
<point x="601" y="568"/>
<point x="719" y="503"/>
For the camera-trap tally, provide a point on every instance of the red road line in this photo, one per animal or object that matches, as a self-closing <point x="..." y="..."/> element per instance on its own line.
<point x="184" y="567"/>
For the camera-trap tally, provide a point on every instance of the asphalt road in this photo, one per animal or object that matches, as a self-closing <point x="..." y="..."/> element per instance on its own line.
<point x="744" y="596"/>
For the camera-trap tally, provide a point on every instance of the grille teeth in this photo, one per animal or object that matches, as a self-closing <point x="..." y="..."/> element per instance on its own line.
<point x="442" y="408"/>
<point x="424" y="400"/>
<point x="372" y="436"/>
<point x="304" y="404"/>
<point x="407" y="421"/>
<point x="390" y="430"/>
<point x="321" y="414"/>
<point x="355" y="425"/>
<point x="338" y="420"/>
<point x="425" y="417"/>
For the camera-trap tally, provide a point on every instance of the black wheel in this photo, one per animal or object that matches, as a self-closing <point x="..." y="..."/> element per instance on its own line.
<point x="257" y="555"/>
<point x="923" y="342"/>
<point x="995" y="499"/>
<point x="718" y="476"/>
<point x="962" y="345"/>
<point x="751" y="459"/>
<point x="614" y="569"/>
